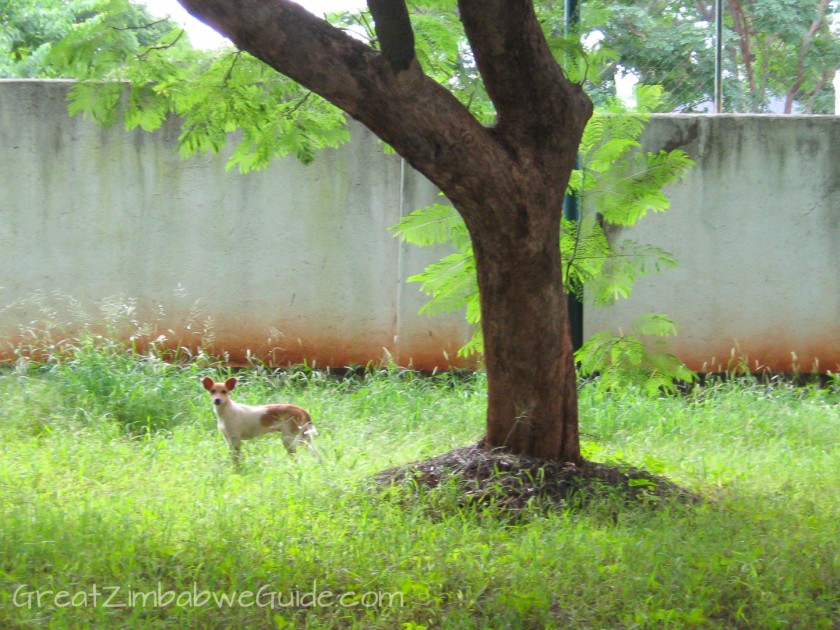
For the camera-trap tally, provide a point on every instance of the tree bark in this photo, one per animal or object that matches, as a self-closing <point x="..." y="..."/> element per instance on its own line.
<point x="507" y="181"/>
<point x="532" y="385"/>
<point x="742" y="27"/>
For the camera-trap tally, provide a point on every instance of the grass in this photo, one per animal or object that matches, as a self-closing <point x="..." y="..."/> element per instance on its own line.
<point x="119" y="508"/>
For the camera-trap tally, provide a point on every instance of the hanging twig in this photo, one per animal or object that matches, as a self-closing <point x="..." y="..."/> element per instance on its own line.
<point x="229" y="72"/>
<point x="142" y="26"/>
<point x="162" y="47"/>
<point x="298" y="105"/>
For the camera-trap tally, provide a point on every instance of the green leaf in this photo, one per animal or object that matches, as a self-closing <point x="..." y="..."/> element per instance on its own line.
<point x="438" y="223"/>
<point x="450" y="282"/>
<point x="145" y="109"/>
<point x="655" y="324"/>
<point x="98" y="101"/>
<point x="630" y="360"/>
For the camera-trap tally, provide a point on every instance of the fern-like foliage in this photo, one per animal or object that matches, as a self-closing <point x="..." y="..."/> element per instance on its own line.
<point x="632" y="359"/>
<point x="438" y="223"/>
<point x="220" y="97"/>
<point x="148" y="73"/>
<point x="617" y="184"/>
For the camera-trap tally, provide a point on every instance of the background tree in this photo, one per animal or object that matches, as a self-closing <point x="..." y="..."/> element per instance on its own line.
<point x="29" y="28"/>
<point x="776" y="52"/>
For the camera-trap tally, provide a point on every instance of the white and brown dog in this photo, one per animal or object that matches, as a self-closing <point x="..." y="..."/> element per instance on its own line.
<point x="239" y="422"/>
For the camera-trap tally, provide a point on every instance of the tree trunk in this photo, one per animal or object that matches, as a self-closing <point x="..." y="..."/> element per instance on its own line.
<point x="532" y="385"/>
<point x="507" y="181"/>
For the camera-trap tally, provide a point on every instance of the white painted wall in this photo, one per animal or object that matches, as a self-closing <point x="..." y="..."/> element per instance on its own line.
<point x="756" y="228"/>
<point x="837" y="92"/>
<point x="300" y="250"/>
<point x="295" y="262"/>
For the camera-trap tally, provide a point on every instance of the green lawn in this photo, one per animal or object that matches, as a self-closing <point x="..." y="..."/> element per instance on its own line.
<point x="120" y="508"/>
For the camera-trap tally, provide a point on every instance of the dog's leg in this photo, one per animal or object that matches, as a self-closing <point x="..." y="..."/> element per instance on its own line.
<point x="290" y="442"/>
<point x="235" y="450"/>
<point x="310" y="445"/>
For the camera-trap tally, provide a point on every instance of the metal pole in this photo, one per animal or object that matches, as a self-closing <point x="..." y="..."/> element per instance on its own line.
<point x="718" y="97"/>
<point x="571" y="211"/>
<point x="572" y="16"/>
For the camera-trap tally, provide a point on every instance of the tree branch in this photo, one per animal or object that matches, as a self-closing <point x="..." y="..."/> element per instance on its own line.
<point x="424" y="122"/>
<point x="742" y="27"/>
<point x="521" y="76"/>
<point x="508" y="55"/>
<point x="140" y="27"/>
<point x="163" y="46"/>
<point x="394" y="32"/>
<point x="290" y="39"/>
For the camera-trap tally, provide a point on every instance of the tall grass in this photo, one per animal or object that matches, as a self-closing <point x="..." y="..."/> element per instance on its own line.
<point x="113" y="477"/>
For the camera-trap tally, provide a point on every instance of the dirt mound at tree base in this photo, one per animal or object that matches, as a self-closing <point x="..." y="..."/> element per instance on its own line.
<point x="514" y="482"/>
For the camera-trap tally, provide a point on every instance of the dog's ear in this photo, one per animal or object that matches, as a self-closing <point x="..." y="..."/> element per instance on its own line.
<point x="207" y="382"/>
<point x="231" y="383"/>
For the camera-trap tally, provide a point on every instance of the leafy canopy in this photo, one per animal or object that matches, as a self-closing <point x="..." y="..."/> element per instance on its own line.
<point x="144" y="71"/>
<point x="774" y="51"/>
<point x="29" y="29"/>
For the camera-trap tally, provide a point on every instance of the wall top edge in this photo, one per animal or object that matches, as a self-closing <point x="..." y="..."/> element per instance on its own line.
<point x="24" y="80"/>
<point x="669" y="115"/>
<point x="706" y="116"/>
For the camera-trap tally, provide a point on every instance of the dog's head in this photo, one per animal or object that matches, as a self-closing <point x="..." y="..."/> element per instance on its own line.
<point x="219" y="392"/>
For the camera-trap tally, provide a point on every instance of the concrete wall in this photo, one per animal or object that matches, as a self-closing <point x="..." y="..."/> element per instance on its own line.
<point x="291" y="263"/>
<point x="756" y="228"/>
<point x="295" y="262"/>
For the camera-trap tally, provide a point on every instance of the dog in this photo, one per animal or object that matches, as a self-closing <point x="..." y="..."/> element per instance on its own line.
<point x="239" y="422"/>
